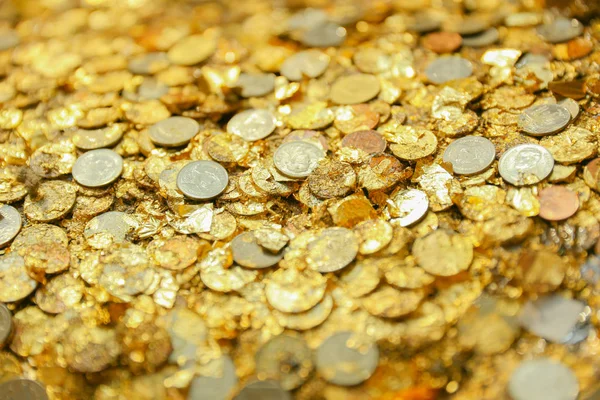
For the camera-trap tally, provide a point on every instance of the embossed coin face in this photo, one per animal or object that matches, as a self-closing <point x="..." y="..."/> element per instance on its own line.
<point x="10" y="224"/>
<point x="560" y="30"/>
<point x="23" y="389"/>
<point x="6" y="325"/>
<point x="286" y="359"/>
<point x="201" y="180"/>
<point x="252" y="125"/>
<point x="332" y="250"/>
<point x="543" y="379"/>
<point x="346" y="360"/>
<point x="263" y="390"/>
<point x="309" y="63"/>
<point x="248" y="253"/>
<point x="448" y="68"/>
<point x="470" y="155"/>
<point x="297" y="159"/>
<point x="97" y="168"/>
<point x="217" y="387"/>
<point x="525" y="164"/>
<point x="173" y="131"/>
<point x="544" y="119"/>
<point x="408" y="206"/>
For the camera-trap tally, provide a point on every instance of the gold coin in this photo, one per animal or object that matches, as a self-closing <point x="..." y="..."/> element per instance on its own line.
<point x="443" y="253"/>
<point x="354" y="89"/>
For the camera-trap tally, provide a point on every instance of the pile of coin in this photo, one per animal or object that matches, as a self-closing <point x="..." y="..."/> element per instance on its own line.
<point x="298" y="200"/>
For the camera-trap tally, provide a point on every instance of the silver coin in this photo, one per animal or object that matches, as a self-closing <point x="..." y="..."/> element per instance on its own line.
<point x="23" y="389"/>
<point x="482" y="39"/>
<point x="571" y="105"/>
<point x="552" y="317"/>
<point x="202" y="180"/>
<point x="560" y="30"/>
<point x="108" y="228"/>
<point x="286" y="359"/>
<point x="310" y="63"/>
<point x="151" y="89"/>
<point x="408" y="206"/>
<point x="423" y="22"/>
<point x="15" y="283"/>
<point x="543" y="379"/>
<point x="248" y="253"/>
<point x="10" y="224"/>
<point x="306" y="19"/>
<point x="448" y="68"/>
<point x="544" y="119"/>
<point x="470" y="155"/>
<point x="97" y="168"/>
<point x="327" y="34"/>
<point x="9" y="39"/>
<point x="252" y="125"/>
<point x="217" y="387"/>
<point x="173" y="131"/>
<point x="149" y="63"/>
<point x="256" y="85"/>
<point x="298" y="158"/>
<point x="525" y="164"/>
<point x="530" y="59"/>
<point x="263" y="390"/>
<point x="345" y="360"/>
<point x="6" y="325"/>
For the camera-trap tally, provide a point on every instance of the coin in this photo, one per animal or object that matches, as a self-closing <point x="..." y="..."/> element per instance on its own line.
<point x="442" y="42"/>
<point x="10" y="224"/>
<point x="217" y="387"/>
<point x="202" y="180"/>
<point x="108" y="228"/>
<point x="15" y="284"/>
<point x="560" y="30"/>
<point x="543" y="379"/>
<point x="544" y="119"/>
<point x="551" y="317"/>
<point x="192" y="50"/>
<point x="470" y="155"/>
<point x="371" y="142"/>
<point x="56" y="199"/>
<point x="482" y="39"/>
<point x="326" y="34"/>
<point x="247" y="252"/>
<point x="173" y="131"/>
<point x="345" y="359"/>
<point x="448" y="68"/>
<point x="422" y="22"/>
<point x="443" y="252"/>
<point x="310" y="63"/>
<point x="525" y="164"/>
<point x="252" y="125"/>
<point x="256" y="85"/>
<point x="354" y="89"/>
<point x="408" y="206"/>
<point x="292" y="291"/>
<point x="298" y="158"/>
<point x="9" y="39"/>
<point x="263" y="390"/>
<point x="333" y="249"/>
<point x="6" y="325"/>
<point x="97" y="138"/>
<point x="572" y="106"/>
<point x="286" y="359"/>
<point x="23" y="389"/>
<point x="148" y="63"/>
<point x="558" y="203"/>
<point x="97" y="168"/>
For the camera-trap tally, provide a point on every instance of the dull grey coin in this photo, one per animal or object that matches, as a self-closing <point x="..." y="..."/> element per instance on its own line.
<point x="248" y="253"/>
<point x="543" y="379"/>
<point x="218" y="387"/>
<point x="345" y="360"/>
<point x="173" y="131"/>
<point x="327" y="34"/>
<point x="544" y="119"/>
<point x="310" y="63"/>
<point x="256" y="85"/>
<point x="306" y="19"/>
<point x="263" y="390"/>
<point x="571" y="105"/>
<point x="97" y="168"/>
<point x="6" y="325"/>
<point x="252" y="125"/>
<point x="423" y="22"/>
<point x="470" y="155"/>
<point x="286" y="359"/>
<point x="10" y="224"/>
<point x="202" y="180"/>
<point x="560" y="30"/>
<point x="332" y="249"/>
<point x="552" y="317"/>
<point x="298" y="158"/>
<point x="149" y="63"/>
<point x="23" y="389"/>
<point x="482" y="39"/>
<point x="525" y="164"/>
<point x="530" y="59"/>
<point x="448" y="68"/>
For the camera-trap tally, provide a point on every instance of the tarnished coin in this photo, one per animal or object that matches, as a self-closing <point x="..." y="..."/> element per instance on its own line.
<point x="108" y="228"/>
<point x="215" y="387"/>
<point x="448" y="68"/>
<point x="525" y="164"/>
<point x="408" y="206"/>
<point x="558" y="203"/>
<point x="256" y="85"/>
<point x="263" y="390"/>
<point x="298" y="158"/>
<point x="54" y="200"/>
<point x="551" y="317"/>
<point x="371" y="142"/>
<point x="247" y="252"/>
<point x="10" y="224"/>
<point x="543" y="379"/>
<point x="443" y="252"/>
<point x="544" y="119"/>
<point x="286" y="359"/>
<point x="252" y="125"/>
<point x="201" y="180"/>
<point x="482" y="39"/>
<point x="333" y="249"/>
<point x="97" y="168"/>
<point x="346" y="359"/>
<point x="23" y="389"/>
<point x="326" y="34"/>
<point x="15" y="284"/>
<point x="354" y="89"/>
<point x="470" y="155"/>
<point x="560" y="30"/>
<point x="308" y="63"/>
<point x="6" y="325"/>
<point x="173" y="131"/>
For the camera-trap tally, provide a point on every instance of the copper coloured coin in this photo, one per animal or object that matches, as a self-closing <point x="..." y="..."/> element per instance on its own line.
<point x="442" y="42"/>
<point x="558" y="203"/>
<point x="371" y="142"/>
